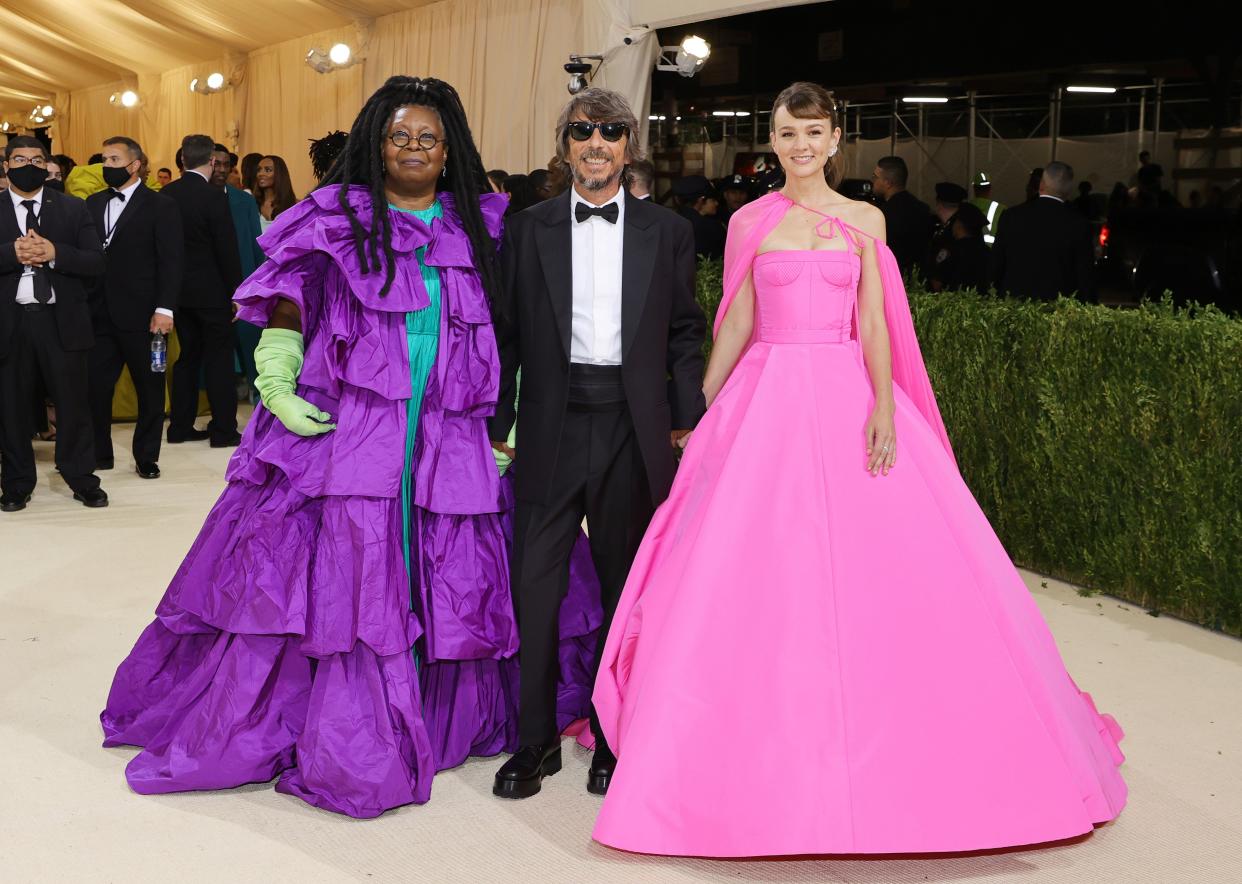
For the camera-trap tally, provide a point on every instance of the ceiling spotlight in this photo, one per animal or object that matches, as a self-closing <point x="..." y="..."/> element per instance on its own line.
<point x="340" y="54"/>
<point x="129" y="98"/>
<point x="1103" y="90"/>
<point x="686" y="59"/>
<point x="194" y="85"/>
<point x="47" y="110"/>
<point x="215" y="81"/>
<point x="38" y="119"/>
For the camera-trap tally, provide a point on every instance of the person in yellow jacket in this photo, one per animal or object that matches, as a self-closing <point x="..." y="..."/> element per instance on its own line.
<point x="990" y="208"/>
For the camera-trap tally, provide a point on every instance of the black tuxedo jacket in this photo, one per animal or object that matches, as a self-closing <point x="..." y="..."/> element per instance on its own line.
<point x="65" y="221"/>
<point x="212" y="263"/>
<point x="908" y="226"/>
<point x="1042" y="249"/>
<point x="145" y="258"/>
<point x="662" y="329"/>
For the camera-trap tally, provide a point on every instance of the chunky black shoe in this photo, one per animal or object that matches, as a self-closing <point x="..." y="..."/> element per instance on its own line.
<point x="12" y="503"/>
<point x="522" y="775"/>
<point x="600" y="777"/>
<point x="231" y="441"/>
<point x="192" y="436"/>
<point x="95" y="498"/>
<point x="147" y="469"/>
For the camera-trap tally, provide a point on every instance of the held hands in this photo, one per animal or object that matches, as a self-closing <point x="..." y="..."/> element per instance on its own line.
<point x="32" y="249"/>
<point x="881" y="440"/>
<point x="279" y="360"/>
<point x="679" y="439"/>
<point x="161" y="323"/>
<point x="505" y="449"/>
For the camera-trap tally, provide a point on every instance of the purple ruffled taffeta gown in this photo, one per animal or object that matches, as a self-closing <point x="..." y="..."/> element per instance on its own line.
<point x="292" y="642"/>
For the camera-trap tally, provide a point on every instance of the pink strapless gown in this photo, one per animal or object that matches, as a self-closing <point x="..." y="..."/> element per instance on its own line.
<point x="808" y="659"/>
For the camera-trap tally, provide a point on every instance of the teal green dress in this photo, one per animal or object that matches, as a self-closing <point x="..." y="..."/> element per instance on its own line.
<point x="422" y="331"/>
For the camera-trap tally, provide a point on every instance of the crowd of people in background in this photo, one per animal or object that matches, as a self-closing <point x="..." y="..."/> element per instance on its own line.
<point x="196" y="237"/>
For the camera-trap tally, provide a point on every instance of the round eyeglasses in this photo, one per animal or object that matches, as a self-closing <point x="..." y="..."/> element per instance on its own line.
<point x="425" y="141"/>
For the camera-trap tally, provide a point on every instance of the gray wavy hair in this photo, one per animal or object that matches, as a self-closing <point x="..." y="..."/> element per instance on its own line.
<point x="598" y="106"/>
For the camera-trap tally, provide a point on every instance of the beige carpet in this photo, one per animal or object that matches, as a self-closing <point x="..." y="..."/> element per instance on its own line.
<point x="77" y="586"/>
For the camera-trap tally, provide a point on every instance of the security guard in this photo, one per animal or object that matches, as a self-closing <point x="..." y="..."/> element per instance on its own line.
<point x="990" y="208"/>
<point x="969" y="261"/>
<point x="949" y="198"/>
<point x="735" y="191"/>
<point x="698" y="202"/>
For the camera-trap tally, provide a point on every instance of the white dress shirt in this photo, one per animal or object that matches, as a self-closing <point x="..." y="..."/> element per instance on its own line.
<point x="595" y="336"/>
<point x="115" y="209"/>
<point x="25" y="285"/>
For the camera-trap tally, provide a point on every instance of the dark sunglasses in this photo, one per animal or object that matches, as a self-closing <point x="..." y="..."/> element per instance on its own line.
<point x="581" y="131"/>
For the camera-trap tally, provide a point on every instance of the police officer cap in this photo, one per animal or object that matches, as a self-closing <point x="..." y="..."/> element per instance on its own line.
<point x="947" y="192"/>
<point x="693" y="187"/>
<point x="735" y="182"/>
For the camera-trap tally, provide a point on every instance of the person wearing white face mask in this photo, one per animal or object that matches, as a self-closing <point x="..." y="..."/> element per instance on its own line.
<point x="49" y="250"/>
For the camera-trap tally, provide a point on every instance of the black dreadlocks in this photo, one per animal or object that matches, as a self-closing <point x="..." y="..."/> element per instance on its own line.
<point x="362" y="162"/>
<point x="324" y="151"/>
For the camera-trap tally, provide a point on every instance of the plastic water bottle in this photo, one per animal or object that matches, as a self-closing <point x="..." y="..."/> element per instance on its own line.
<point x="159" y="353"/>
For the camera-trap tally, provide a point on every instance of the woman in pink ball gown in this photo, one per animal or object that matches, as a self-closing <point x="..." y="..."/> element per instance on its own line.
<point x="822" y="647"/>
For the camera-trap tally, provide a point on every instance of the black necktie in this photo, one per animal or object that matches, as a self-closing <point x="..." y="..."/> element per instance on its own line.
<point x="42" y="285"/>
<point x="609" y="213"/>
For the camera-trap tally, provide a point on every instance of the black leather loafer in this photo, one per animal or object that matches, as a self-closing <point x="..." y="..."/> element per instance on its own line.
<point x="12" y="503"/>
<point x="95" y="498"/>
<point x="522" y="775"/>
<point x="191" y="436"/>
<point x="147" y="469"/>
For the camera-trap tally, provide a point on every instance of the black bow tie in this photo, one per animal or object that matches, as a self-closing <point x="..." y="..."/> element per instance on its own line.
<point x="116" y="195"/>
<point x="609" y="213"/>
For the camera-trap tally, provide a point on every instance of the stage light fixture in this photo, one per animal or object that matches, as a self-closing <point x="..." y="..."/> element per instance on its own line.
<point x="338" y="57"/>
<point x="194" y="85"/>
<point x="215" y="81"/>
<point x="129" y="98"/>
<point x="340" y="54"/>
<point x="1099" y="90"/>
<point x="686" y="59"/>
<point x="925" y="99"/>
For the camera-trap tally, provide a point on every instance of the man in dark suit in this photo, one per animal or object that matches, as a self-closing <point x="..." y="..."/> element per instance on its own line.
<point x="136" y="299"/>
<point x="1043" y="248"/>
<point x="907" y="219"/>
<point x="246" y="227"/>
<point x="600" y="316"/>
<point x="49" y="251"/>
<point x="205" y="311"/>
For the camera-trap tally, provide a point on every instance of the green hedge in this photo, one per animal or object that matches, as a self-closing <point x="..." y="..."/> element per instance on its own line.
<point x="1104" y="445"/>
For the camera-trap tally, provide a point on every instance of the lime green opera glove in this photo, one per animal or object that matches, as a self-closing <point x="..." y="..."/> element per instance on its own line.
<point x="278" y="357"/>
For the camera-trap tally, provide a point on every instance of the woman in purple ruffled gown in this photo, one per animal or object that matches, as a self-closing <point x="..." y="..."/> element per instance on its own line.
<point x="343" y="621"/>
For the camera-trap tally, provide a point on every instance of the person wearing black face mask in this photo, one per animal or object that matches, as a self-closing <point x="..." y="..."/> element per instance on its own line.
<point x="135" y="299"/>
<point x="49" y="250"/>
<point x="55" y="176"/>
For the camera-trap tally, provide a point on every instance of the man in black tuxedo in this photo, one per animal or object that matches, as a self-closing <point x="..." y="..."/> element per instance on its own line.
<point x="1043" y="247"/>
<point x="136" y="298"/>
<point x="600" y="316"/>
<point x="49" y="251"/>
<point x="205" y="308"/>
<point x="907" y="219"/>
